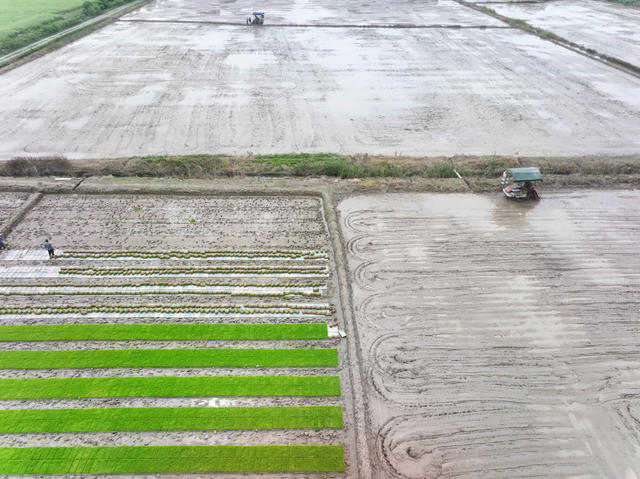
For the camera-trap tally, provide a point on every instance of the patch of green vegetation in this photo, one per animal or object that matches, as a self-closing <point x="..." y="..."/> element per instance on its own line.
<point x="26" y="21"/>
<point x="28" y="13"/>
<point x="169" y="386"/>
<point x="328" y="164"/>
<point x="168" y="358"/>
<point x="169" y="419"/>
<point x="442" y="169"/>
<point x="162" y="332"/>
<point x="546" y="34"/>
<point x="488" y="167"/>
<point x="188" y="166"/>
<point x="520" y="23"/>
<point x="170" y="459"/>
<point x="295" y="159"/>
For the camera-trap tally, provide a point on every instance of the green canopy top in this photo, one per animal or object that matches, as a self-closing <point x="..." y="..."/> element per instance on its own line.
<point x="525" y="174"/>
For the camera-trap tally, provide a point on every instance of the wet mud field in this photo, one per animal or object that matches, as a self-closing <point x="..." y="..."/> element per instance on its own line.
<point x="591" y="23"/>
<point x="346" y="78"/>
<point x="498" y="339"/>
<point x="9" y="203"/>
<point x="166" y="223"/>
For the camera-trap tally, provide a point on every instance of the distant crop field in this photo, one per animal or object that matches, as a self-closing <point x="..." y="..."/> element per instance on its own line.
<point x="18" y="15"/>
<point x="27" y="21"/>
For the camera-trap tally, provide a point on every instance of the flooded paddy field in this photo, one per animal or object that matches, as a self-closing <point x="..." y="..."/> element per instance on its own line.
<point x="169" y="80"/>
<point x="607" y="27"/>
<point x="498" y="339"/>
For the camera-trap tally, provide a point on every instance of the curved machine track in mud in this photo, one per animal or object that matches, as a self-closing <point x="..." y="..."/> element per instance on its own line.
<point x="498" y="338"/>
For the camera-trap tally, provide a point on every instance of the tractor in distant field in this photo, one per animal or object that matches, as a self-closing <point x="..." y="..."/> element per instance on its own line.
<point x="257" y="18"/>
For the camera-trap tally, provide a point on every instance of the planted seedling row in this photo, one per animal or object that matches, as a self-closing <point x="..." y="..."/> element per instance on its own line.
<point x="211" y="309"/>
<point x="310" y="270"/>
<point x="176" y="254"/>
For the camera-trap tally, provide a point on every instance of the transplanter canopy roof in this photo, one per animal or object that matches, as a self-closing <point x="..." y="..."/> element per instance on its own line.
<point x="258" y="13"/>
<point x="525" y="174"/>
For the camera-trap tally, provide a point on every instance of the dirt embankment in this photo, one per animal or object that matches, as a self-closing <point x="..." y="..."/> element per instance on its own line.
<point x="351" y="174"/>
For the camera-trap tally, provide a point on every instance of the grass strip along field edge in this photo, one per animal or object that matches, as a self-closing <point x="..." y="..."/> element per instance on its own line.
<point x="165" y="358"/>
<point x="170" y="386"/>
<point x="169" y="419"/>
<point x="162" y="332"/>
<point x="167" y="459"/>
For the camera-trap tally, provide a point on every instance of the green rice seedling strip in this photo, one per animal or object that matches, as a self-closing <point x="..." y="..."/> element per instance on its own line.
<point x="167" y="358"/>
<point x="162" y="332"/>
<point x="170" y="459"/>
<point x="169" y="419"/>
<point x="169" y="386"/>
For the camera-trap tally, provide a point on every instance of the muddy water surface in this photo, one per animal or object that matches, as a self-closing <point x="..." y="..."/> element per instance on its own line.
<point x="590" y="23"/>
<point x="499" y="339"/>
<point x="460" y="83"/>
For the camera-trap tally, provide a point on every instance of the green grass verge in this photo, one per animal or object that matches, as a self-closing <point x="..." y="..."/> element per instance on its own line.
<point x="170" y="459"/>
<point x="162" y="332"/>
<point x="169" y="419"/>
<point x="169" y="386"/>
<point x="328" y="164"/>
<point x="297" y="164"/>
<point x="167" y="358"/>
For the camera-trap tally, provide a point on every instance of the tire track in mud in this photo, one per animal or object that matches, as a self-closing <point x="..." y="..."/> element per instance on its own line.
<point x="412" y="448"/>
<point x="498" y="339"/>
<point x="433" y="366"/>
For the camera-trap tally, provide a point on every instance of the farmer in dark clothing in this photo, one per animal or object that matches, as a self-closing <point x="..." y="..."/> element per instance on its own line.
<point x="49" y="247"/>
<point x="2" y="245"/>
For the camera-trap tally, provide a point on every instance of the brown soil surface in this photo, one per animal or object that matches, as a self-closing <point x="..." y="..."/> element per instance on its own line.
<point x="162" y="223"/>
<point x="497" y="339"/>
<point x="9" y="204"/>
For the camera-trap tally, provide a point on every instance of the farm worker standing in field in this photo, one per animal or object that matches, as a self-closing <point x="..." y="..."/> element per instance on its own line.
<point x="2" y="245"/>
<point x="49" y="247"/>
